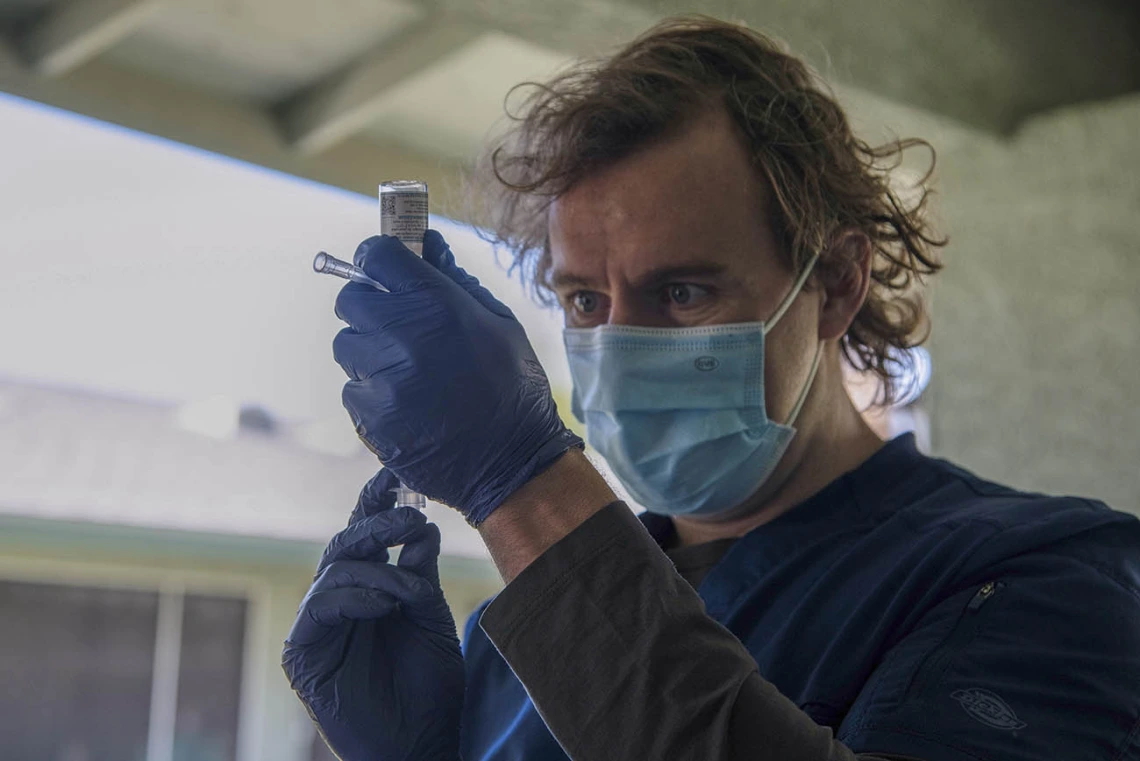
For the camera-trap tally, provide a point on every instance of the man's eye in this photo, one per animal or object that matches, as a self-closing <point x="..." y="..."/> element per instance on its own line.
<point x="684" y="294"/>
<point x="585" y="301"/>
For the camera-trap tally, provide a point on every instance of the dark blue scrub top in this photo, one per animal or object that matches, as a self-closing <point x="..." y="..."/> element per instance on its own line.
<point x="915" y="609"/>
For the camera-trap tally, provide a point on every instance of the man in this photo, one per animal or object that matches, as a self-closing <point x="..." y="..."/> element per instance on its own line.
<point x="798" y="589"/>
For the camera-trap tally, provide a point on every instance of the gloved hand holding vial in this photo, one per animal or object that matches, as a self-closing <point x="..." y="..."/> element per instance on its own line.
<point x="417" y="327"/>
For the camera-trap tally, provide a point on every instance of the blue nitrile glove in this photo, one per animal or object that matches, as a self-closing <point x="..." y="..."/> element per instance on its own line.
<point x="445" y="387"/>
<point x="374" y="654"/>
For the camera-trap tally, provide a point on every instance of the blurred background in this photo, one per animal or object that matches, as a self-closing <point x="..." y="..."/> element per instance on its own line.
<point x="173" y="454"/>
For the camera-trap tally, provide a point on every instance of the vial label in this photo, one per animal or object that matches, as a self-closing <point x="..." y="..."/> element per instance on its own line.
<point x="404" y="214"/>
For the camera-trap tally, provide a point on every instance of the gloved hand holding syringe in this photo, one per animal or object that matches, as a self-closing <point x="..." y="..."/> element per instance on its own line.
<point x="403" y="215"/>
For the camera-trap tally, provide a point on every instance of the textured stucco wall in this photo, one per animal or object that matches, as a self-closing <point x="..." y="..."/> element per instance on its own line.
<point x="1036" y="339"/>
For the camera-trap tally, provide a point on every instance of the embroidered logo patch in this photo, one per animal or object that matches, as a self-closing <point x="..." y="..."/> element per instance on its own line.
<point x="988" y="708"/>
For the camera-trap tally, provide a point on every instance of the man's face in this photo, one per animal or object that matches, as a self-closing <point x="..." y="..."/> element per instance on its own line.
<point x="677" y="235"/>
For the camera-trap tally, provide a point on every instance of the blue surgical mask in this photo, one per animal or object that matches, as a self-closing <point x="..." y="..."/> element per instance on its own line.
<point x="678" y="413"/>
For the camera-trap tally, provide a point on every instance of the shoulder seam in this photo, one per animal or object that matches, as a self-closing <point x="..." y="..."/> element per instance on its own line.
<point x="1103" y="570"/>
<point x="971" y="480"/>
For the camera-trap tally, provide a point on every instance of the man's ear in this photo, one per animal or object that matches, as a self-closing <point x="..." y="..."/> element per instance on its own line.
<point x="844" y="282"/>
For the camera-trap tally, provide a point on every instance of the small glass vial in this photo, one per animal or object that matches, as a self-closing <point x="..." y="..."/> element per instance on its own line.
<point x="404" y="212"/>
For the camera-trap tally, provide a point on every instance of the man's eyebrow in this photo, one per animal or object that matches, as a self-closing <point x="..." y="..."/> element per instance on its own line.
<point x="562" y="279"/>
<point x="677" y="273"/>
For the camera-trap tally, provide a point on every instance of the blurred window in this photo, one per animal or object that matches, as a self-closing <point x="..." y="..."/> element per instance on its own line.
<point x="77" y="670"/>
<point x="209" y="678"/>
<point x="98" y="674"/>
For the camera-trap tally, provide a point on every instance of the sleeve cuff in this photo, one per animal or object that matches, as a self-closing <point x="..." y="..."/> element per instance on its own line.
<point x="543" y="578"/>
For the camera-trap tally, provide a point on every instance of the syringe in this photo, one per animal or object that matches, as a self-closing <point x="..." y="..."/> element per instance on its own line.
<point x="327" y="264"/>
<point x="403" y="214"/>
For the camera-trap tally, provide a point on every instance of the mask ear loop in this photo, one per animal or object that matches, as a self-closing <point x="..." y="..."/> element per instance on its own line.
<point x="796" y="287"/>
<point x="807" y="386"/>
<point x="771" y="323"/>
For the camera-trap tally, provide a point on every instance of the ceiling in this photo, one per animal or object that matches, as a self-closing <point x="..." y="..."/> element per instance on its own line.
<point x="351" y="91"/>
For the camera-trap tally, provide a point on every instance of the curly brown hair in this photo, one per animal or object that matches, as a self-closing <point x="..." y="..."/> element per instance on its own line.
<point x="823" y="179"/>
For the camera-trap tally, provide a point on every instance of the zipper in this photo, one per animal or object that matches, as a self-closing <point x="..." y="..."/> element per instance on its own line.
<point x="964" y="630"/>
<point x="986" y="592"/>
